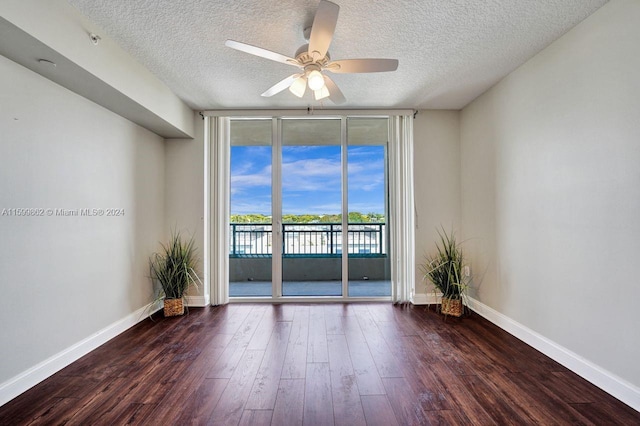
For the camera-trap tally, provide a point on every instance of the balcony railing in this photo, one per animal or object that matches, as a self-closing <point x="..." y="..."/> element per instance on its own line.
<point x="308" y="239"/>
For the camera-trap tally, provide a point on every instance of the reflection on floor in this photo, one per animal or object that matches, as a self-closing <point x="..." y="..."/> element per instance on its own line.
<point x="311" y="288"/>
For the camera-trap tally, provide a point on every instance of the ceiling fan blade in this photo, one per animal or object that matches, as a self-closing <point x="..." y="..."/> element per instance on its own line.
<point x="259" y="51"/>
<point x="362" y="65"/>
<point x="335" y="94"/>
<point x="324" y="24"/>
<point x="280" y="86"/>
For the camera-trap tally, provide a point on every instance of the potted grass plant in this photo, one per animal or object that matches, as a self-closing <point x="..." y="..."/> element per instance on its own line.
<point x="443" y="268"/>
<point x="173" y="270"/>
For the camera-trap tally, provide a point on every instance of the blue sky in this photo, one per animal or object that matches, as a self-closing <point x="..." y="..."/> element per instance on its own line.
<point x="311" y="179"/>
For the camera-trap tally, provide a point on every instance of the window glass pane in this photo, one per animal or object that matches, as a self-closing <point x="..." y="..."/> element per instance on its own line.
<point x="251" y="229"/>
<point x="369" y="266"/>
<point x="311" y="207"/>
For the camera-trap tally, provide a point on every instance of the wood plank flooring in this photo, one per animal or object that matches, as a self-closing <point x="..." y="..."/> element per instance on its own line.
<point x="315" y="364"/>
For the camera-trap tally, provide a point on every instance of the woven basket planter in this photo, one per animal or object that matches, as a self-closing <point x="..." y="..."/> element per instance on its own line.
<point x="173" y="307"/>
<point x="451" y="307"/>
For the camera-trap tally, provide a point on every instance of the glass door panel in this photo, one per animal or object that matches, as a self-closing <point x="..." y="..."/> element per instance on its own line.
<point x="311" y="207"/>
<point x="251" y="233"/>
<point x="367" y="242"/>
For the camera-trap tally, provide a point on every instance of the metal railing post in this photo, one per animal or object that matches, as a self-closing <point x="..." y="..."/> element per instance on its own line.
<point x="284" y="239"/>
<point x="233" y="232"/>
<point x="331" y="239"/>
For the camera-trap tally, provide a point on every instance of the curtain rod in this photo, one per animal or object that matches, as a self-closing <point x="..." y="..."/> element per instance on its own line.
<point x="303" y="112"/>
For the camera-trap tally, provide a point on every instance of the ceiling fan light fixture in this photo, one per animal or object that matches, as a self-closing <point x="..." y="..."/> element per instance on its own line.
<point x="321" y="93"/>
<point x="299" y="86"/>
<point x="315" y="80"/>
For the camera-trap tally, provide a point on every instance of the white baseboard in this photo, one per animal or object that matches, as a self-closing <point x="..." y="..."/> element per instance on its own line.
<point x="34" y="375"/>
<point x="610" y="383"/>
<point x="198" y="301"/>
<point x="424" y="299"/>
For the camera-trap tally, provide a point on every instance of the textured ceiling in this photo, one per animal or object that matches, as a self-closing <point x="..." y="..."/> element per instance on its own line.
<point x="450" y="51"/>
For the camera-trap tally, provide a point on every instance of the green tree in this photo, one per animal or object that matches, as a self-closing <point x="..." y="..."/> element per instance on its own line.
<point x="331" y="218"/>
<point x="357" y="217"/>
<point x="354" y="217"/>
<point x="250" y="218"/>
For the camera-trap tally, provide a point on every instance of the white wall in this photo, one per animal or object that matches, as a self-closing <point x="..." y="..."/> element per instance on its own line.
<point x="104" y="73"/>
<point x="184" y="192"/>
<point x="551" y="191"/>
<point x="437" y="182"/>
<point x="64" y="279"/>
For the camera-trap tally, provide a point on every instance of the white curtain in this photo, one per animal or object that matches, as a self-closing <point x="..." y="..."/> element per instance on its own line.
<point x="401" y="209"/>
<point x="219" y="164"/>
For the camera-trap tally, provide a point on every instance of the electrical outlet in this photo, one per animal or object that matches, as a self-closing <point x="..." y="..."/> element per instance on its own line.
<point x="466" y="270"/>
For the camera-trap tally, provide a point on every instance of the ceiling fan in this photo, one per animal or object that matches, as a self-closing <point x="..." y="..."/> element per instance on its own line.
<point x="313" y="58"/>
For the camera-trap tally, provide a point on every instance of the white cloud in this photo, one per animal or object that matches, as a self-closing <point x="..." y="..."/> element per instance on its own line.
<point x="316" y="174"/>
<point x="367" y="176"/>
<point x="251" y="207"/>
<point x="241" y="182"/>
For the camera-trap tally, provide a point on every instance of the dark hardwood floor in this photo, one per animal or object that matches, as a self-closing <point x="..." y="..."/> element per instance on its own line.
<point x="315" y="364"/>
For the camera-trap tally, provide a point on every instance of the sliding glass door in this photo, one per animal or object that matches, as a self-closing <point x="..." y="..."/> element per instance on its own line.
<point x="296" y="185"/>
<point x="311" y="207"/>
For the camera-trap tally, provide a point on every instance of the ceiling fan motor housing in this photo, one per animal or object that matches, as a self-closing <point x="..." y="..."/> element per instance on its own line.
<point x="304" y="57"/>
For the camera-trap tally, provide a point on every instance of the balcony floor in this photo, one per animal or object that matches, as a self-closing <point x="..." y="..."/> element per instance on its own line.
<point x="367" y="288"/>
